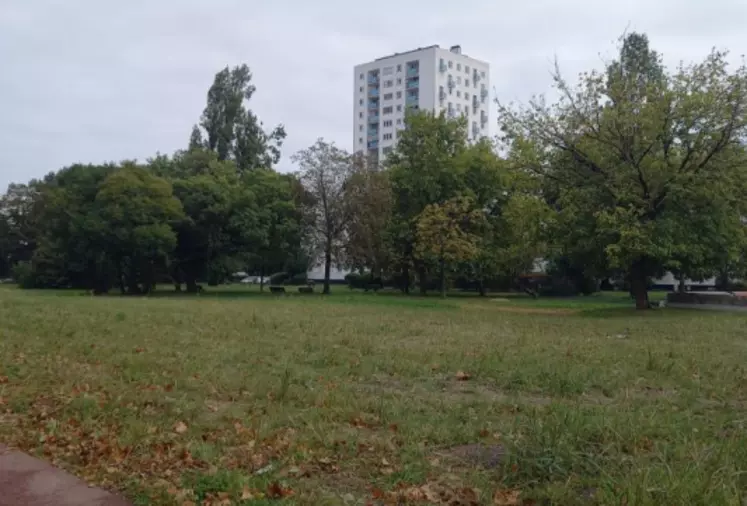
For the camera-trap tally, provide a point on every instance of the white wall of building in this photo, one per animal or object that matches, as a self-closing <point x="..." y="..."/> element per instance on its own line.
<point x="437" y="67"/>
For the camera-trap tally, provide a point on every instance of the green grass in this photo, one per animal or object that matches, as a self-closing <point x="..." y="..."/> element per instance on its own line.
<point x="354" y="398"/>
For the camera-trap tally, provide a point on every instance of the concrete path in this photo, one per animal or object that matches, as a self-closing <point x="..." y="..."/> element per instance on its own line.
<point x="26" y="481"/>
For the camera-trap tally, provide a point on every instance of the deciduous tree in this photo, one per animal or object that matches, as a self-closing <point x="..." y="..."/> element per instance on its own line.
<point x="232" y="130"/>
<point x="630" y="148"/>
<point x="447" y="234"/>
<point x="423" y="170"/>
<point x="368" y="203"/>
<point x="324" y="171"/>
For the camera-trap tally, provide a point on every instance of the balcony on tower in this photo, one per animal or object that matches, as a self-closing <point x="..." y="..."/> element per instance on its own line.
<point x="373" y="144"/>
<point x="373" y="91"/>
<point x="450" y="83"/>
<point x="412" y="97"/>
<point x="476" y="76"/>
<point x="412" y="83"/>
<point x="413" y="69"/>
<point x="483" y="93"/>
<point x="483" y="118"/>
<point x="475" y="104"/>
<point x="442" y="66"/>
<point x="441" y="93"/>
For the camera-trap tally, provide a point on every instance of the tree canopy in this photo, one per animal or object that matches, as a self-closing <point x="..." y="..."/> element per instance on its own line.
<point x="634" y="170"/>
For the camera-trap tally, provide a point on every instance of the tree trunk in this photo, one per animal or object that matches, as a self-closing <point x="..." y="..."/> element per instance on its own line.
<point x="422" y="280"/>
<point x="405" y="281"/>
<point x="191" y="283"/>
<point x="481" y="287"/>
<point x="723" y="280"/>
<point x="639" y="284"/>
<point x="120" y="278"/>
<point x="262" y="276"/>
<point x="327" y="266"/>
<point x="442" y="275"/>
<point x="681" y="288"/>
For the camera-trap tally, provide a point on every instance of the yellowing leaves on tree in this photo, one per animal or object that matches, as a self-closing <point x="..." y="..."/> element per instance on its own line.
<point x="446" y="233"/>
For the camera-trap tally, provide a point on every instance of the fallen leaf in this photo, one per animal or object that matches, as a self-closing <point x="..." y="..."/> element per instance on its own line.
<point x="506" y="497"/>
<point x="248" y="494"/>
<point x="276" y="491"/>
<point x="168" y="387"/>
<point x="3" y="379"/>
<point x="180" y="427"/>
<point x="139" y="350"/>
<point x="484" y="433"/>
<point x="462" y="376"/>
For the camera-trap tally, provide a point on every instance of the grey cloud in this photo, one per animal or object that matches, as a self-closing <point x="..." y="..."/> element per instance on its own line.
<point x="92" y="81"/>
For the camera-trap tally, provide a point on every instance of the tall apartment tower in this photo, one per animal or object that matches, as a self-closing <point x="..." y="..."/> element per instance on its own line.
<point x="428" y="78"/>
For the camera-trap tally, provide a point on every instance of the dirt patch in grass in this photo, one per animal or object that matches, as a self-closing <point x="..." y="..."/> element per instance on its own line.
<point x="488" y="456"/>
<point x="557" y="311"/>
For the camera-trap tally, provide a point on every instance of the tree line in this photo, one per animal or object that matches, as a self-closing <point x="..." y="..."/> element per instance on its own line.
<point x="630" y="172"/>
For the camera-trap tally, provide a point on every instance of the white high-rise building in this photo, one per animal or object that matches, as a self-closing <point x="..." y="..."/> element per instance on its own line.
<point x="428" y="78"/>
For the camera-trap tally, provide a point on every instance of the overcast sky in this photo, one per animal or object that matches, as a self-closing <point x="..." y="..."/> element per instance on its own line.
<point x="101" y="80"/>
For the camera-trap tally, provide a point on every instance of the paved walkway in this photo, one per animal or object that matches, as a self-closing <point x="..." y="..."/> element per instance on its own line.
<point x="26" y="481"/>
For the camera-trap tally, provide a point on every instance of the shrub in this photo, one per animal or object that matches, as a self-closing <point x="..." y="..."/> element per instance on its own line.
<point x="355" y="280"/>
<point x="278" y="278"/>
<point x="363" y="281"/>
<point x="23" y="274"/>
<point x="298" y="279"/>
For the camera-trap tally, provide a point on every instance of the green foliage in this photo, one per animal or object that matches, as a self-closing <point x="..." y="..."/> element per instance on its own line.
<point x="279" y="278"/>
<point x="447" y="234"/>
<point x="634" y="171"/>
<point x="297" y="279"/>
<point x="633" y="156"/>
<point x="423" y="170"/>
<point x="368" y="217"/>
<point x="136" y="210"/>
<point x="233" y="131"/>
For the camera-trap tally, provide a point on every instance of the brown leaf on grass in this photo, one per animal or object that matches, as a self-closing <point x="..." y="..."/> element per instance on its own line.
<point x="3" y="379"/>
<point x="506" y="497"/>
<point x="248" y="494"/>
<point x="180" y="427"/>
<point x="361" y="423"/>
<point x="462" y="376"/>
<point x="139" y="350"/>
<point x="277" y="491"/>
<point x="169" y="387"/>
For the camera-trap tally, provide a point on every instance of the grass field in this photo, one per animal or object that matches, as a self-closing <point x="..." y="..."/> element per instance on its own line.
<point x="237" y="398"/>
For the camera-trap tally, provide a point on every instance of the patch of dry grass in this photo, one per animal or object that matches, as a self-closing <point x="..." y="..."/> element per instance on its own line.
<point x="361" y="400"/>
